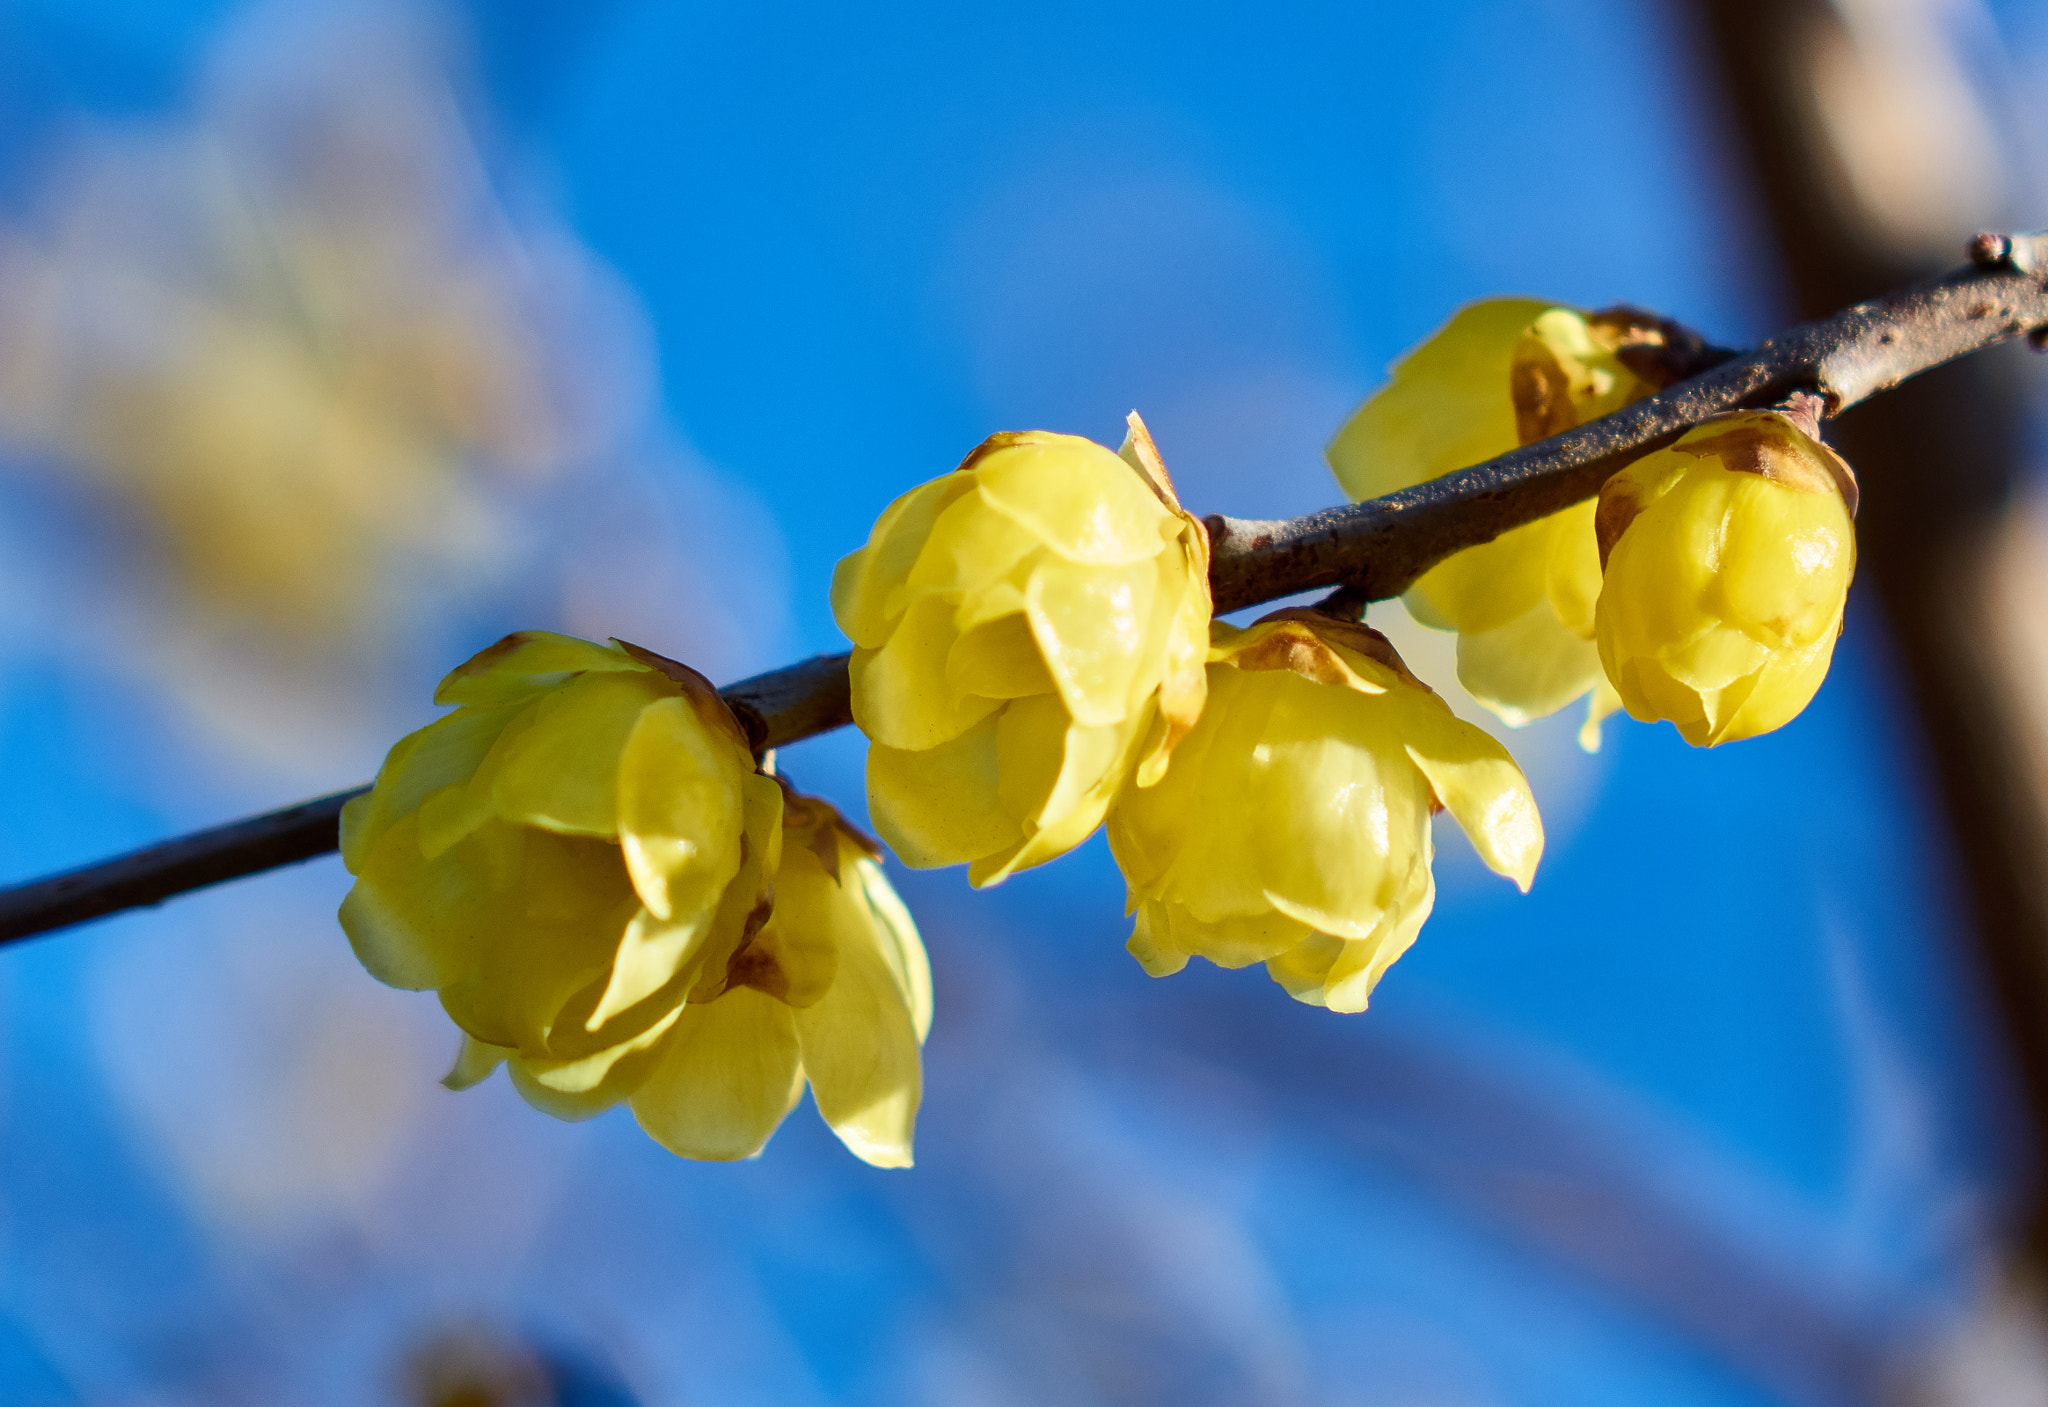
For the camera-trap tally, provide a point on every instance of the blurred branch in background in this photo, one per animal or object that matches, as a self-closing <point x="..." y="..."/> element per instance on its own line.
<point x="1875" y="145"/>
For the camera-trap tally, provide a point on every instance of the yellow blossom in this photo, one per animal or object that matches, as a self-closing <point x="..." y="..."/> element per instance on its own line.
<point x="1028" y="633"/>
<point x="1502" y="373"/>
<point x="833" y="990"/>
<point x="1728" y="558"/>
<point x="564" y="858"/>
<point x="581" y="859"/>
<point x="1294" y="829"/>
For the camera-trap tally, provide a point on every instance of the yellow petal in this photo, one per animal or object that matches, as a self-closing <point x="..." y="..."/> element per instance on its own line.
<point x="939" y="806"/>
<point x="1602" y="702"/>
<point x="652" y="955"/>
<point x="972" y="545"/>
<point x="1485" y="587"/>
<point x="748" y="900"/>
<point x="1151" y="942"/>
<point x="901" y="696"/>
<point x="474" y="1062"/>
<point x="1091" y="626"/>
<point x="556" y="908"/>
<point x="1479" y="784"/>
<point x="729" y="1072"/>
<point x="1528" y="668"/>
<point x="586" y="1086"/>
<point x="1572" y="581"/>
<point x="867" y="585"/>
<point x="795" y="956"/>
<point x="1057" y="779"/>
<point x="523" y="664"/>
<point x="998" y="659"/>
<point x="1446" y="404"/>
<point x="419" y="923"/>
<point x="446" y="752"/>
<point x="1077" y="497"/>
<point x="680" y="810"/>
<point x="896" y="938"/>
<point x="860" y="1050"/>
<point x="562" y="772"/>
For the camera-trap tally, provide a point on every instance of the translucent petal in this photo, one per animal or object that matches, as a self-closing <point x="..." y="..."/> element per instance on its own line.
<point x="1326" y="810"/>
<point x="1445" y="405"/>
<point x="1572" y="581"/>
<point x="860" y="1050"/>
<point x="1485" y="587"/>
<point x="558" y="906"/>
<point x="972" y="545"/>
<point x="896" y="937"/>
<point x="680" y="809"/>
<point x="522" y="665"/>
<point x="901" y="696"/>
<point x="474" y="1062"/>
<point x="1528" y="668"/>
<point x="586" y="1086"/>
<point x="729" y="1072"/>
<point x="750" y="897"/>
<point x="1151" y="942"/>
<point x="1478" y="783"/>
<point x="652" y="954"/>
<point x="998" y="659"/>
<point x="1782" y="690"/>
<point x="795" y="956"/>
<point x="939" y="806"/>
<point x="866" y="595"/>
<point x="562" y="772"/>
<point x="420" y="923"/>
<point x="1601" y="703"/>
<point x="1077" y="497"/>
<point x="1091" y="626"/>
<point x="1237" y="940"/>
<point x="446" y="752"/>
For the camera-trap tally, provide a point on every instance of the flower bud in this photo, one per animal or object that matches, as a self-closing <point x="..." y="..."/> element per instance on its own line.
<point x="1028" y="633"/>
<point x="1293" y="827"/>
<point x="1502" y="373"/>
<point x="563" y="857"/>
<point x="1727" y="560"/>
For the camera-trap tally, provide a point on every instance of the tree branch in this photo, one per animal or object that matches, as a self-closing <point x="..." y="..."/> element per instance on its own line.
<point x="1375" y="548"/>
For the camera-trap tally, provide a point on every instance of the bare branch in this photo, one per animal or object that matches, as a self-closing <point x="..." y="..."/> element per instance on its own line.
<point x="1376" y="549"/>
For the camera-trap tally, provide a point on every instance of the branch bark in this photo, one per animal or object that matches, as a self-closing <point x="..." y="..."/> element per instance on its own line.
<point x="1376" y="548"/>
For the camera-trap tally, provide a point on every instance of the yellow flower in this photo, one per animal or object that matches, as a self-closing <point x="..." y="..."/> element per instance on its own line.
<point x="1294" y="829"/>
<point x="580" y="860"/>
<point x="1502" y="373"/>
<point x="834" y="989"/>
<point x="1029" y="632"/>
<point x="1728" y="558"/>
<point x="564" y="858"/>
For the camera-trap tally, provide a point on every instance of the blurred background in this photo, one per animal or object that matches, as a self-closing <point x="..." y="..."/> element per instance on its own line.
<point x="338" y="339"/>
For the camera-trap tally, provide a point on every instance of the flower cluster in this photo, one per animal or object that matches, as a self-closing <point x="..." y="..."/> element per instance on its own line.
<point x="616" y="903"/>
<point x="611" y="901"/>
<point x="1543" y="613"/>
